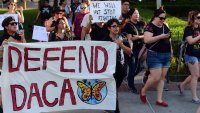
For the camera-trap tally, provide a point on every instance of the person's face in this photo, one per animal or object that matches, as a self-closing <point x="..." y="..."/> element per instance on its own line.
<point x="86" y="1"/>
<point x="125" y="6"/>
<point x="135" y="15"/>
<point x="75" y="1"/>
<point x="83" y="8"/>
<point x="46" y="3"/>
<point x="114" y="28"/>
<point x="59" y="14"/>
<point x="197" y="19"/>
<point x="161" y="18"/>
<point x="12" y="26"/>
<point x="61" y="24"/>
<point x="12" y="5"/>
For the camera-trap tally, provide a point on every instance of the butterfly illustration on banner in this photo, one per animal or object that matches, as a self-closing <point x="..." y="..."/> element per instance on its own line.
<point x="92" y="91"/>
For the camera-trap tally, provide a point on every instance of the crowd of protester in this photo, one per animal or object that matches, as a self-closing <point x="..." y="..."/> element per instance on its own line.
<point x="74" y="22"/>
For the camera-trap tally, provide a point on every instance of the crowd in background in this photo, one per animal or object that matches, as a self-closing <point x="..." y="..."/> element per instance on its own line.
<point x="132" y="35"/>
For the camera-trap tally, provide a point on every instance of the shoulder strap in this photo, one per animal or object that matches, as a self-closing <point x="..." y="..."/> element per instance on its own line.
<point x="134" y="28"/>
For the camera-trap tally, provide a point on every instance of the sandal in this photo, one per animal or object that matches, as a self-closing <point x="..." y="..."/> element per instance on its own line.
<point x="180" y="90"/>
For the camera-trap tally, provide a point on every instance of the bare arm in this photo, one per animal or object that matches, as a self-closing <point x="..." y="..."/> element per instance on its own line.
<point x="48" y="25"/>
<point x="23" y="40"/>
<point x="149" y="38"/>
<point x="83" y="33"/>
<point x="21" y="15"/>
<point x="126" y="49"/>
<point x="191" y="40"/>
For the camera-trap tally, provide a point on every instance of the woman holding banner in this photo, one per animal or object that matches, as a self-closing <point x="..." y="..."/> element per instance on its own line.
<point x="10" y="34"/>
<point x="157" y="38"/>
<point x="192" y="54"/>
<point x="134" y="30"/>
<point x="122" y="47"/>
<point x="12" y="9"/>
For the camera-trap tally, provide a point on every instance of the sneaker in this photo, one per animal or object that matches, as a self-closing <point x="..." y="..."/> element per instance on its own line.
<point x="134" y="90"/>
<point x="165" y="89"/>
<point x="196" y="101"/>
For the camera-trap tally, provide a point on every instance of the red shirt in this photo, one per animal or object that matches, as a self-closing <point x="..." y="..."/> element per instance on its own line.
<point x="77" y="23"/>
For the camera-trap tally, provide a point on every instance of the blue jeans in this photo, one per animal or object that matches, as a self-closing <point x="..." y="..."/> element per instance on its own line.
<point x="132" y="62"/>
<point x="157" y="60"/>
<point x="191" y="59"/>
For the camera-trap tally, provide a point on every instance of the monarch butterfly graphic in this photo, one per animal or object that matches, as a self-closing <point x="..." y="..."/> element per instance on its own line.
<point x="88" y="91"/>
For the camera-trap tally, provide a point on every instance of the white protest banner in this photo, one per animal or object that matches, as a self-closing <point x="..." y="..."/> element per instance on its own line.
<point x="3" y="16"/>
<point x="40" y="33"/>
<point x="56" y="76"/>
<point x="102" y="11"/>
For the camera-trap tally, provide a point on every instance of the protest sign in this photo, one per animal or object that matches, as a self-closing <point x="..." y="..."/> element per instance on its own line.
<point x="40" y="33"/>
<point x="102" y="11"/>
<point x="3" y="16"/>
<point x="56" y="76"/>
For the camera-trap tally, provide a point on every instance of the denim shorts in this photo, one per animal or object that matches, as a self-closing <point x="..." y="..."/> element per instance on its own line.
<point x="157" y="60"/>
<point x="191" y="59"/>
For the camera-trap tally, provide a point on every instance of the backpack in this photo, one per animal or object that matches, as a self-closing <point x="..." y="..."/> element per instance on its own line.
<point x="182" y="50"/>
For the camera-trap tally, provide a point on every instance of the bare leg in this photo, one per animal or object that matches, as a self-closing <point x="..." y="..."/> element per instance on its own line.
<point x="152" y="80"/>
<point x="185" y="82"/>
<point x="198" y="110"/>
<point x="194" y="70"/>
<point x="160" y="85"/>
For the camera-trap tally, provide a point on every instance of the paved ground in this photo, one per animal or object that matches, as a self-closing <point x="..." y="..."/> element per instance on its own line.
<point x="130" y="103"/>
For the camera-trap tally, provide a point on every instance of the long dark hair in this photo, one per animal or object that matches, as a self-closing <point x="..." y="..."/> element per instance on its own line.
<point x="157" y="12"/>
<point x="57" y="23"/>
<point x="131" y="11"/>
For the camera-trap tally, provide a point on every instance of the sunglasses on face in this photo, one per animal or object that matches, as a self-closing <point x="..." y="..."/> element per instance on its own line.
<point x="13" y="23"/>
<point x="198" y="17"/>
<point x="162" y="18"/>
<point x="83" y="7"/>
<point x="114" y="26"/>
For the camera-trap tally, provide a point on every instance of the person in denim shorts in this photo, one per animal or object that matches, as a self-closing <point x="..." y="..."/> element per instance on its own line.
<point x="192" y="55"/>
<point x="157" y="37"/>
